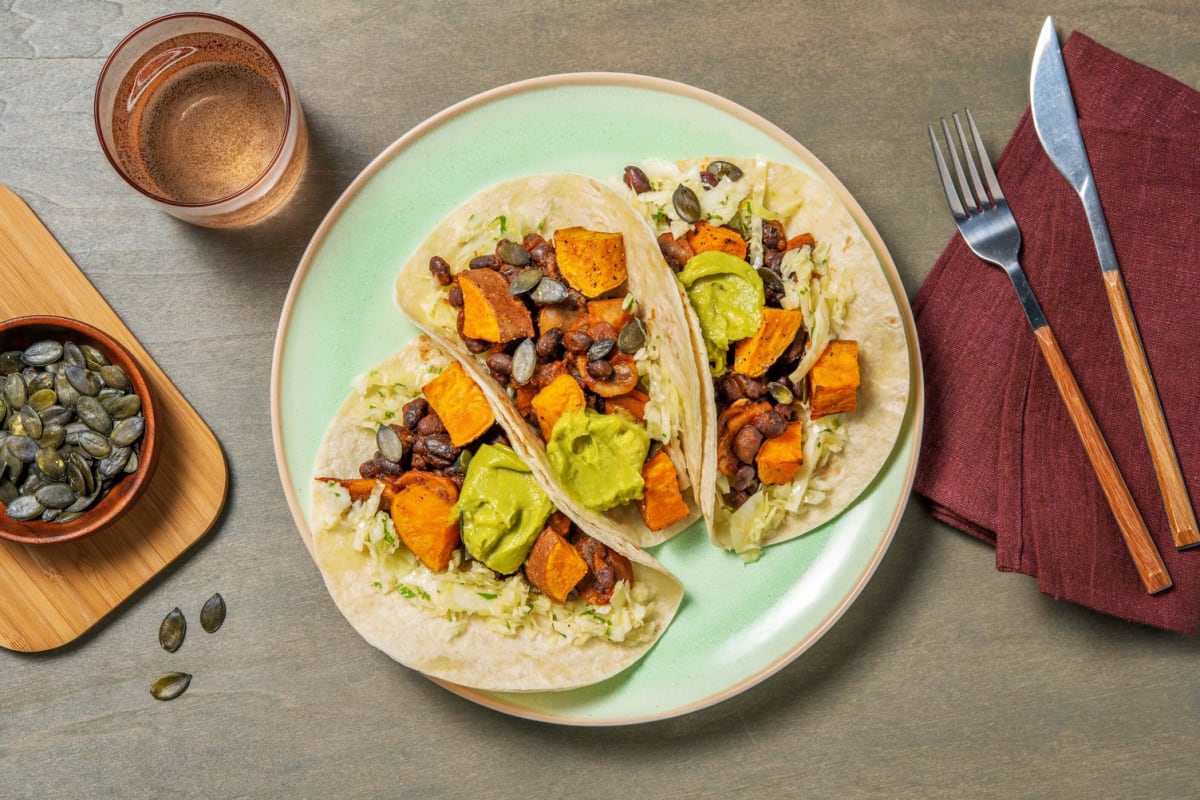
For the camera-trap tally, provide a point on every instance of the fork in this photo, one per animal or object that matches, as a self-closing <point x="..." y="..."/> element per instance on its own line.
<point x="988" y="227"/>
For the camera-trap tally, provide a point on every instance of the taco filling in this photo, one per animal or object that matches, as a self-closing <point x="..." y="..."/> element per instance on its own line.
<point x="551" y="318"/>
<point x="454" y="522"/>
<point x="771" y="305"/>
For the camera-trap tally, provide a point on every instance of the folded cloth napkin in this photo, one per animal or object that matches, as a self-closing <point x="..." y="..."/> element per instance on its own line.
<point x="1000" y="458"/>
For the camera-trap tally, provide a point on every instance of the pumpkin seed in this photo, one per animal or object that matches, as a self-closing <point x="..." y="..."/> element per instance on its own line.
<point x="170" y="685"/>
<point x="15" y="390"/>
<point x="36" y="381"/>
<point x="114" y="463"/>
<point x="3" y="408"/>
<point x="68" y="395"/>
<point x="57" y="415"/>
<point x="213" y="613"/>
<point x="386" y="439"/>
<point x="73" y="355"/>
<point x="125" y="406"/>
<point x="780" y="393"/>
<point x="94" y="415"/>
<point x="8" y="491"/>
<point x="31" y="422"/>
<point x="600" y="349"/>
<point x="632" y="337"/>
<point x="10" y="361"/>
<point x="114" y="376"/>
<point x="82" y="503"/>
<point x="94" y="358"/>
<point x="24" y="508"/>
<point x="524" y="361"/>
<point x="131" y="464"/>
<point x="42" y="399"/>
<point x="525" y="282"/>
<point x="129" y="430"/>
<point x="770" y="279"/>
<point x="549" y="292"/>
<point x="513" y="254"/>
<point x="39" y="354"/>
<point x="687" y="204"/>
<point x="52" y="436"/>
<point x="56" y="495"/>
<point x="724" y="169"/>
<point x="95" y="445"/>
<point x="172" y="630"/>
<point x="51" y="463"/>
<point x="22" y="447"/>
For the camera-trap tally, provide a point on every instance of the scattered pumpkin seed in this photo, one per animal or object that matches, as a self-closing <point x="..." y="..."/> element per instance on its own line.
<point x="724" y="169"/>
<point x="213" y="613"/>
<point x="128" y="431"/>
<point x="25" y="507"/>
<point x="687" y="204"/>
<point x="388" y="442"/>
<point x="548" y="292"/>
<point x="513" y="254"/>
<point x="600" y="349"/>
<point x="632" y="337"/>
<point x="172" y="630"/>
<point x="170" y="685"/>
<point x="525" y="282"/>
<point x="39" y="354"/>
<point x="780" y="393"/>
<point x="770" y="279"/>
<point x="115" y="377"/>
<point x="524" y="361"/>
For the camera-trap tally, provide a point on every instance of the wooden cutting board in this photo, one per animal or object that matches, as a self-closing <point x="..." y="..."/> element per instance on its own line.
<point x="51" y="594"/>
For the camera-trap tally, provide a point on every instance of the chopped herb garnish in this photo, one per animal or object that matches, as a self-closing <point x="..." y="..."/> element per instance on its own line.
<point x="488" y="595"/>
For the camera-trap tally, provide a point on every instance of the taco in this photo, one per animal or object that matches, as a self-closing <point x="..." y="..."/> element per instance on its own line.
<point x="443" y="550"/>
<point x="548" y="290"/>
<point x="796" y="332"/>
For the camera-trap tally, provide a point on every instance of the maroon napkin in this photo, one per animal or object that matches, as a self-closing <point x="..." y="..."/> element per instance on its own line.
<point x="1000" y="458"/>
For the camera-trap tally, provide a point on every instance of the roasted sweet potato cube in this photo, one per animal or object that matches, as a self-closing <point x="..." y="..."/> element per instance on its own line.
<point x="460" y="403"/>
<point x="833" y="382"/>
<point x="561" y="395"/>
<point x="662" y="503"/>
<point x="754" y="356"/>
<point x="591" y="261"/>
<point x="423" y="513"/>
<point x="801" y="240"/>
<point x="554" y="566"/>
<point x="611" y="311"/>
<point x="490" y="313"/>
<point x="780" y="457"/>
<point x="632" y="403"/>
<point x="360" y="489"/>
<point x="704" y="237"/>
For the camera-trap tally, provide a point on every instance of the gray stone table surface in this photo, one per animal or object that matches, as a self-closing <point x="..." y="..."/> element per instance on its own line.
<point x="944" y="679"/>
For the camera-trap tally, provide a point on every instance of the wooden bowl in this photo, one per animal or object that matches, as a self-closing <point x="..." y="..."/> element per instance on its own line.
<point x="19" y="333"/>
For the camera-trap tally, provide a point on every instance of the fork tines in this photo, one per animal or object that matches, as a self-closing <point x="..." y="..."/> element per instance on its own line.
<point x="975" y="196"/>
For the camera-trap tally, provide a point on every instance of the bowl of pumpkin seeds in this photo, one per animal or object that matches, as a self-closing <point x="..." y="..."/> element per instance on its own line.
<point x="78" y="434"/>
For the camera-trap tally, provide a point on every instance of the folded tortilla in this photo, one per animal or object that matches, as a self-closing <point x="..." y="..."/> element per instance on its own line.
<point x="544" y="204"/>
<point x="460" y="627"/>
<point x="804" y="204"/>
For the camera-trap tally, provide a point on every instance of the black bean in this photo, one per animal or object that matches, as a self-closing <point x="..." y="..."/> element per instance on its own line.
<point x="500" y="362"/>
<point x="577" y="341"/>
<point x="454" y="296"/>
<point x="543" y="257"/>
<point x="413" y="411"/>
<point x="440" y="270"/>
<point x="708" y="179"/>
<point x="774" y="237"/>
<point x="438" y="447"/>
<point x="746" y="478"/>
<point x="548" y="344"/>
<point x="675" y="251"/>
<point x="599" y="369"/>
<point x="430" y="424"/>
<point x="746" y="444"/>
<point x="770" y="424"/>
<point x="487" y="261"/>
<point x="636" y="179"/>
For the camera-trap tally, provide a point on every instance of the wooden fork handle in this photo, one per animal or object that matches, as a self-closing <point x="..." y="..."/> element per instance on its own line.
<point x="1145" y="555"/>
<point x="1180" y="515"/>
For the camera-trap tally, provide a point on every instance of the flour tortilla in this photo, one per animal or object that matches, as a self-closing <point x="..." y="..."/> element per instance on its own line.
<point x="475" y="653"/>
<point x="543" y="204"/>
<point x="873" y="319"/>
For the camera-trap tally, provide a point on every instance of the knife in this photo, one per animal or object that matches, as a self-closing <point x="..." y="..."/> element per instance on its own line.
<point x="1057" y="127"/>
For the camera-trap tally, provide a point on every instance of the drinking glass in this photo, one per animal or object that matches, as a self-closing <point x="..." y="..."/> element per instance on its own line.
<point x="194" y="111"/>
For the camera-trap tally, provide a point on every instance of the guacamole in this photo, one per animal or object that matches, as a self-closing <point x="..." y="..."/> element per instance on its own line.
<point x="503" y="508"/>
<point x="598" y="457"/>
<point x="727" y="296"/>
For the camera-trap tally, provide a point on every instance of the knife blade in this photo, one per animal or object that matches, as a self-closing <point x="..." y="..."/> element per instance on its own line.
<point x="1057" y="126"/>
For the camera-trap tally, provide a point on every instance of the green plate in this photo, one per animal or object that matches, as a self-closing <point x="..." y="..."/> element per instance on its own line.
<point x="738" y="623"/>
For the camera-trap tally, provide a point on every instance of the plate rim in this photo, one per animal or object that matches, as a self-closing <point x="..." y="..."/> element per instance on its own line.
<point x="913" y="420"/>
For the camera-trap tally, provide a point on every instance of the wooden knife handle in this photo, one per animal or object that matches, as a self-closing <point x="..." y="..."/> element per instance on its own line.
<point x="1162" y="452"/>
<point x="1145" y="555"/>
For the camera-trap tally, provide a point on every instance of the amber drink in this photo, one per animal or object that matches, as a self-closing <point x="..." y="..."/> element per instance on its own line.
<point x="194" y="111"/>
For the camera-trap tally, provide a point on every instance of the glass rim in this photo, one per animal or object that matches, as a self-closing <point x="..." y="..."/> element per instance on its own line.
<point x="197" y="15"/>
